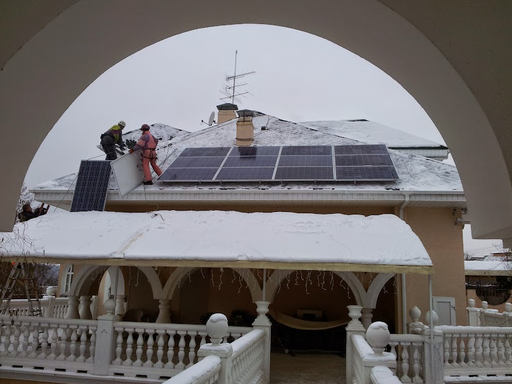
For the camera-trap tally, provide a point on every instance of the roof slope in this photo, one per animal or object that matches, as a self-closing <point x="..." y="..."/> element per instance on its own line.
<point x="382" y="243"/>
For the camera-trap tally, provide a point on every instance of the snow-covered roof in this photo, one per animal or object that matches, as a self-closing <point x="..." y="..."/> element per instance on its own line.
<point x="372" y="133"/>
<point x="382" y="243"/>
<point x="492" y="267"/>
<point x="429" y="180"/>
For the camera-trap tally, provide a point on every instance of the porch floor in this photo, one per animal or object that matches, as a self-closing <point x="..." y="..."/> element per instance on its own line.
<point x="306" y="368"/>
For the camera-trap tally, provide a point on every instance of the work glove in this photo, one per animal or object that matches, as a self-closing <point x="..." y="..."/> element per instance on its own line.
<point x="131" y="151"/>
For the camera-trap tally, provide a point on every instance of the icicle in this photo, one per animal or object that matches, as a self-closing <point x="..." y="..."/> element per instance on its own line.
<point x="220" y="277"/>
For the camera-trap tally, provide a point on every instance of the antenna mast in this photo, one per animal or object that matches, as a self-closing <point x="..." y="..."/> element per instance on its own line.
<point x="231" y="90"/>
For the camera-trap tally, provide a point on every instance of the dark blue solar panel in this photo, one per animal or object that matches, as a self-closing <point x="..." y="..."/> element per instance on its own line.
<point x="305" y="161"/>
<point x="304" y="173"/>
<point x="245" y="174"/>
<point x="254" y="151"/>
<point x="213" y="151"/>
<point x="188" y="174"/>
<point x="91" y="186"/>
<point x="260" y="161"/>
<point x="198" y="162"/>
<point x="364" y="149"/>
<point x="359" y="160"/>
<point x="307" y="150"/>
<point x="373" y="173"/>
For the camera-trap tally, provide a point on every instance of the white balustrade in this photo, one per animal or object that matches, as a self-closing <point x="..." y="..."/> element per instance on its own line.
<point x="488" y="317"/>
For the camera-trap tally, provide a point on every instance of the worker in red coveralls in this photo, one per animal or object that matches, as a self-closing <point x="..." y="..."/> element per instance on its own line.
<point x="147" y="143"/>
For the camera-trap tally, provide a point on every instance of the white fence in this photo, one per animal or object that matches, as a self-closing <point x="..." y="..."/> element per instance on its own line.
<point x="51" y="306"/>
<point x="481" y="317"/>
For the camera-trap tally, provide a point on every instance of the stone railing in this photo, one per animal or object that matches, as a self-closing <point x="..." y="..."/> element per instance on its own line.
<point x="245" y="361"/>
<point x="483" y="317"/>
<point x="107" y="346"/>
<point x="477" y="351"/>
<point x="51" y="307"/>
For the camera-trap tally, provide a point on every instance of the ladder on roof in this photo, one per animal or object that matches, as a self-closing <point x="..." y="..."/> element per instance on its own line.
<point x="18" y="275"/>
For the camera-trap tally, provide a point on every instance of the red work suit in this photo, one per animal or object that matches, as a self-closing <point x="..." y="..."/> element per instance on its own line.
<point x="147" y="143"/>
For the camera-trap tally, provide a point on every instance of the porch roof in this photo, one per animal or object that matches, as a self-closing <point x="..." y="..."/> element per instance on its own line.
<point x="277" y="240"/>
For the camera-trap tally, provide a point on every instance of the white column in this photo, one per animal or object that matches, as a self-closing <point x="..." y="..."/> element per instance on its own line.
<point x="164" y="315"/>
<point x="120" y="305"/>
<point x="263" y="322"/>
<point x="85" y="308"/>
<point x="354" y="327"/>
<point x="72" y="308"/>
<point x="105" y="340"/>
<point x="366" y="317"/>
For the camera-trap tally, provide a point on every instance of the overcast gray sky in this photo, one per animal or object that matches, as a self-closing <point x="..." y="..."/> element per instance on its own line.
<point x="298" y="77"/>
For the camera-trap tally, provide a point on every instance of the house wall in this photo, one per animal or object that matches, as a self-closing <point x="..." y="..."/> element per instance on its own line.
<point x="442" y="238"/>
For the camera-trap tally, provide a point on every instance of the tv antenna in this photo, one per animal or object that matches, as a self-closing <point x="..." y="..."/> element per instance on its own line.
<point x="211" y="120"/>
<point x="230" y="90"/>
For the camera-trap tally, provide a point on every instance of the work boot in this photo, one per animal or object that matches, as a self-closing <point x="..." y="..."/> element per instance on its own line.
<point x="149" y="182"/>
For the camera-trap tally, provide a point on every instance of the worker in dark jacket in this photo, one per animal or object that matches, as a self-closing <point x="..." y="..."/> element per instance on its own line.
<point x="28" y="213"/>
<point x="147" y="143"/>
<point x="112" y="137"/>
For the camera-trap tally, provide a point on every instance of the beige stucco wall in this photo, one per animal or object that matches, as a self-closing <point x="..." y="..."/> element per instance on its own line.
<point x="442" y="238"/>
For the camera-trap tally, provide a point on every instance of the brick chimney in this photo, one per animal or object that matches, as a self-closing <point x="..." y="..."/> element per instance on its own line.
<point x="244" y="128"/>
<point x="226" y="112"/>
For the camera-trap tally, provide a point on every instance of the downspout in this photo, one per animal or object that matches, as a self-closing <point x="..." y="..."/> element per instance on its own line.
<point x="404" y="283"/>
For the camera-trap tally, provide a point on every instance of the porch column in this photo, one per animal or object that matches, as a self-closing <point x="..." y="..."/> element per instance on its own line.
<point x="72" y="312"/>
<point x="262" y="322"/>
<point x="366" y="317"/>
<point x="120" y="311"/>
<point x="433" y="359"/>
<point x="85" y="308"/>
<point x="354" y="327"/>
<point x="164" y="307"/>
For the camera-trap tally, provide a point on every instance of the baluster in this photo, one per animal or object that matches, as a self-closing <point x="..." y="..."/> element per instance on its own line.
<point x="119" y="347"/>
<point x="129" y="347"/>
<point x="44" y="341"/>
<point x="181" y="352"/>
<point x="83" y="341"/>
<point x="7" y="339"/>
<point x="63" y="340"/>
<point x="35" y="341"/>
<point x="454" y="351"/>
<point x="138" y="351"/>
<point x="92" y="347"/>
<point x="508" y="352"/>
<point x="149" y="350"/>
<point x="501" y="350"/>
<point x="191" y="349"/>
<point x="494" y="351"/>
<point x="405" y="363"/>
<point x="487" y="350"/>
<point x="170" y="351"/>
<point x="52" y="342"/>
<point x="15" y="341"/>
<point x="25" y="336"/>
<point x="471" y="351"/>
<point x="72" y="343"/>
<point x="462" y="352"/>
<point x="416" y="366"/>
<point x="479" y="351"/>
<point x="160" y="351"/>
<point x="446" y="347"/>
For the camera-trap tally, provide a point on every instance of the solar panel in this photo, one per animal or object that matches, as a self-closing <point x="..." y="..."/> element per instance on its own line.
<point x="304" y="173"/>
<point x="305" y="161"/>
<point x="366" y="173"/>
<point x="241" y="174"/>
<point x="308" y="150"/>
<point x="188" y="174"/>
<point x="286" y="163"/>
<point x="91" y="186"/>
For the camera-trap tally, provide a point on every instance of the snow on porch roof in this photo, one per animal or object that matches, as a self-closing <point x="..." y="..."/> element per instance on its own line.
<point x="278" y="240"/>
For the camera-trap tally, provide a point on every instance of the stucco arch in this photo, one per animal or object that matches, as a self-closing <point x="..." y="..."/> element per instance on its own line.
<point x="277" y="277"/>
<point x="180" y="273"/>
<point x="82" y="282"/>
<point x="371" y="296"/>
<point x="76" y="41"/>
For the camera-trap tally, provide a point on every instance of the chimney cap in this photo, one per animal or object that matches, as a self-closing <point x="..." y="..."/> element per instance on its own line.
<point x="245" y="113"/>
<point x="227" y="107"/>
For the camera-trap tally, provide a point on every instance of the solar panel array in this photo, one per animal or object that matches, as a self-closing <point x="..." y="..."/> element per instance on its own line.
<point x="283" y="163"/>
<point x="91" y="186"/>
